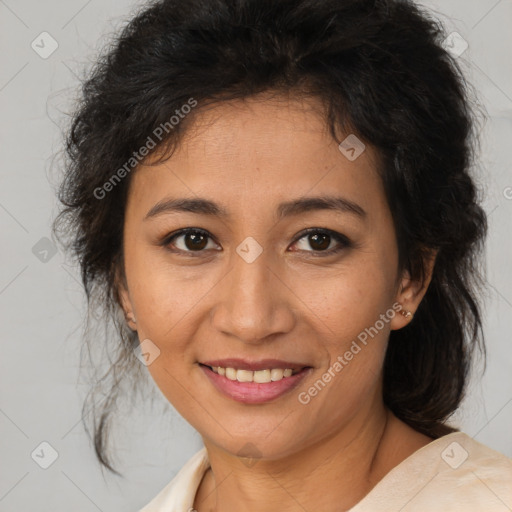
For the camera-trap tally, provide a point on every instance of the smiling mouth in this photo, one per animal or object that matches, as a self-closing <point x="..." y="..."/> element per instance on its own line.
<point x="259" y="376"/>
<point x="254" y="382"/>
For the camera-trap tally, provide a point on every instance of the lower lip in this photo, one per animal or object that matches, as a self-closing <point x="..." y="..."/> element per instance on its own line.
<point x="254" y="392"/>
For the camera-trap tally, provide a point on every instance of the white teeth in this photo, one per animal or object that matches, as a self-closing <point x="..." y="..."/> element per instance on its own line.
<point x="244" y="375"/>
<point x="276" y="374"/>
<point x="259" y="376"/>
<point x="231" y="373"/>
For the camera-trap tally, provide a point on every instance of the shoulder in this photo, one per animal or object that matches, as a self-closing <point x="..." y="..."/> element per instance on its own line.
<point x="451" y="473"/>
<point x="464" y="474"/>
<point x="462" y="455"/>
<point x="477" y="473"/>
<point x="178" y="495"/>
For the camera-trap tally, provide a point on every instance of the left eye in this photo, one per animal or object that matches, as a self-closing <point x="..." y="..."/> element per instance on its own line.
<point x="321" y="240"/>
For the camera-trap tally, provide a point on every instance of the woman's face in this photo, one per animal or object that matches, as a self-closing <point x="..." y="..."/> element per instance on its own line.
<point x="252" y="285"/>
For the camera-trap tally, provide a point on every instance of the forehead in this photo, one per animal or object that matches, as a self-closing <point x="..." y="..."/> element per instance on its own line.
<point x="258" y="151"/>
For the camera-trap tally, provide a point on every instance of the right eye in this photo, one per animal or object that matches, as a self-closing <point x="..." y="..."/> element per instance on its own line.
<point x="189" y="240"/>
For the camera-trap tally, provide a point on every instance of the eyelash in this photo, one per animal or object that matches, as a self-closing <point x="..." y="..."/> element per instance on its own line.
<point x="343" y="241"/>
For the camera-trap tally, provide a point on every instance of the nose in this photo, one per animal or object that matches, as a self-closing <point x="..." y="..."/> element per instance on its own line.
<point x="254" y="302"/>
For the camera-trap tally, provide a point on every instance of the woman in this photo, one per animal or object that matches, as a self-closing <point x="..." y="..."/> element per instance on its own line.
<point x="276" y="195"/>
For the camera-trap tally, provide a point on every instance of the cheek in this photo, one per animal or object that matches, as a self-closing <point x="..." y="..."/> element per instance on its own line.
<point x="164" y="294"/>
<point x="352" y="313"/>
<point x="339" y="303"/>
<point x="345" y="303"/>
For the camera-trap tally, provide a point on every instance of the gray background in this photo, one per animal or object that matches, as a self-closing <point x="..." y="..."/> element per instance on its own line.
<point x="41" y="300"/>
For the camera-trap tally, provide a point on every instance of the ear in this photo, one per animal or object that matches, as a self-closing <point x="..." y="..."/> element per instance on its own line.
<point x="411" y="292"/>
<point x="123" y="296"/>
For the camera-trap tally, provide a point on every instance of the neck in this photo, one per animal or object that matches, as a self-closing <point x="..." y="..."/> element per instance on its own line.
<point x="332" y="474"/>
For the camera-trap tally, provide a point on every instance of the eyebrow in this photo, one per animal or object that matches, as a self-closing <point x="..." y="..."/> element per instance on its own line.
<point x="286" y="209"/>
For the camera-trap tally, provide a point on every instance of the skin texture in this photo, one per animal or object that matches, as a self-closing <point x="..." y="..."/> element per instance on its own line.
<point x="249" y="156"/>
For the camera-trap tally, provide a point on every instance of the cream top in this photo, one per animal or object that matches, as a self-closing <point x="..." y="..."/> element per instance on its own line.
<point x="453" y="473"/>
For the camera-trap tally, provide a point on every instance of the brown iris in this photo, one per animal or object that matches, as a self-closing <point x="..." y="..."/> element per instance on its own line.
<point x="319" y="241"/>
<point x="195" y="240"/>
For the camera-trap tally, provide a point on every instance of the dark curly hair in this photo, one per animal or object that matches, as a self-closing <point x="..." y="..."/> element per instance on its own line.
<point x="381" y="72"/>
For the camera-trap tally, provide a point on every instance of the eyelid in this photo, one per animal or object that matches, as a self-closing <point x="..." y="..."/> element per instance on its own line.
<point x="343" y="241"/>
<point x="168" y="239"/>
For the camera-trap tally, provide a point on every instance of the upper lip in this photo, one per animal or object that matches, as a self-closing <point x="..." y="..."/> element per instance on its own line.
<point x="262" y="364"/>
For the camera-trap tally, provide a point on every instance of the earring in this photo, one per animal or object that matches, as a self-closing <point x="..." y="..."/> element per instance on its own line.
<point x="406" y="313"/>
